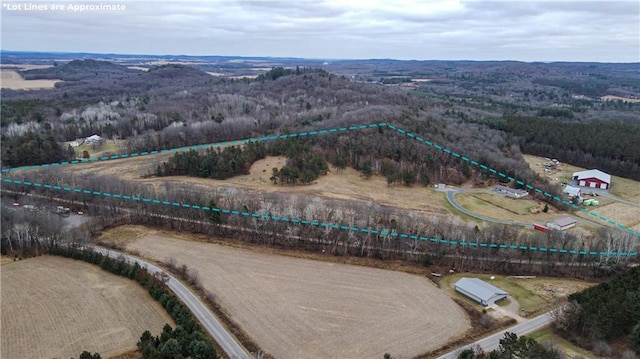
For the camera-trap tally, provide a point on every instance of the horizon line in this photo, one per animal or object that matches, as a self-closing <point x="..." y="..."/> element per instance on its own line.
<point x="2" y="51"/>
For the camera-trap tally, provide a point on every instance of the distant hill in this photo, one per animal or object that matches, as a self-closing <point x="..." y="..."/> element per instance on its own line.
<point x="78" y="70"/>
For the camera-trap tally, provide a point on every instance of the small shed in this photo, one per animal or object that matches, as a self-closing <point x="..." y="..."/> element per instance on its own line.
<point x="480" y="291"/>
<point x="572" y="191"/>
<point x="562" y="223"/>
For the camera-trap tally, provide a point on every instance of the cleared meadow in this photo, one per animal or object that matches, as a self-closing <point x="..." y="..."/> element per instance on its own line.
<point x="300" y="308"/>
<point x="12" y="80"/>
<point x="53" y="307"/>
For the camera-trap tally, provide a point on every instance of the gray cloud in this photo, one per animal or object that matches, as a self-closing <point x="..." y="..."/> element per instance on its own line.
<point x="404" y="29"/>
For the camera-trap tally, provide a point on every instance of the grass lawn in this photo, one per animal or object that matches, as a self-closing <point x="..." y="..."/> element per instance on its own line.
<point x="546" y="335"/>
<point x="107" y="147"/>
<point x="502" y="207"/>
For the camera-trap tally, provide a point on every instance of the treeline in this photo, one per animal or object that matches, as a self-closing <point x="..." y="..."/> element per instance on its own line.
<point x="277" y="72"/>
<point x="213" y="162"/>
<point x="303" y="165"/>
<point x="185" y="341"/>
<point x="33" y="148"/>
<point x="394" y="234"/>
<point x="604" y="313"/>
<point x="612" y="146"/>
<point x="514" y="347"/>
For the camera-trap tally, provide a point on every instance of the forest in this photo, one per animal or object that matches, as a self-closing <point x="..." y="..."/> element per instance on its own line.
<point x="607" y="312"/>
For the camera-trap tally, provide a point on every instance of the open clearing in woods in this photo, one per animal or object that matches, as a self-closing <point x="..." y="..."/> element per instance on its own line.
<point x="13" y="80"/>
<point x="338" y="185"/>
<point x="54" y="307"/>
<point x="300" y="308"/>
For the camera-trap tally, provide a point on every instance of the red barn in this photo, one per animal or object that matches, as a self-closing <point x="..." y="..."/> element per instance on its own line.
<point x="593" y="179"/>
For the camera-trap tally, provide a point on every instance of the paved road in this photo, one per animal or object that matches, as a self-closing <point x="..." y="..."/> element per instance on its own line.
<point x="451" y="198"/>
<point x="231" y="347"/>
<point x="493" y="341"/>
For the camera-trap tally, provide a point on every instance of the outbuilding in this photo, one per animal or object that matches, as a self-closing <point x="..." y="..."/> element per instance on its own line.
<point x="512" y="192"/>
<point x="480" y="291"/>
<point x="593" y="179"/>
<point x="572" y="191"/>
<point x="562" y="223"/>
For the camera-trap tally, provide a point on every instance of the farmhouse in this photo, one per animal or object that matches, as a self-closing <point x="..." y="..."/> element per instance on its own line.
<point x="572" y="191"/>
<point x="515" y="193"/>
<point x="562" y="223"/>
<point x="593" y="178"/>
<point x="93" y="139"/>
<point x="480" y="291"/>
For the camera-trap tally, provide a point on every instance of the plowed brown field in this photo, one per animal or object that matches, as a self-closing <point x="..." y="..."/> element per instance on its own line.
<point x="300" y="308"/>
<point x="53" y="307"/>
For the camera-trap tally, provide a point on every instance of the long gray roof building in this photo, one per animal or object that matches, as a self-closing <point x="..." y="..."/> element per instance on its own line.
<point x="480" y="291"/>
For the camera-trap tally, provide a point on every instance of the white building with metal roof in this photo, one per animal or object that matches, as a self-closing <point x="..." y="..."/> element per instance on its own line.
<point x="562" y="223"/>
<point x="480" y="291"/>
<point x="593" y="178"/>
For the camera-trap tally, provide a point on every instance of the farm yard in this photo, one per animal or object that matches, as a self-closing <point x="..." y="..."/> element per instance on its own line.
<point x="295" y="308"/>
<point x="54" y="307"/>
<point x="533" y="294"/>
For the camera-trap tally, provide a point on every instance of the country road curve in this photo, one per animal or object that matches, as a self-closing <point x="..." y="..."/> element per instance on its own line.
<point x="493" y="341"/>
<point x="451" y="193"/>
<point x="451" y="199"/>
<point x="209" y="321"/>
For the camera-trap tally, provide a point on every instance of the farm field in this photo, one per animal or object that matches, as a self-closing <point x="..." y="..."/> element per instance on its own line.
<point x="12" y="80"/>
<point x="53" y="307"/>
<point x="533" y="294"/>
<point x="300" y="308"/>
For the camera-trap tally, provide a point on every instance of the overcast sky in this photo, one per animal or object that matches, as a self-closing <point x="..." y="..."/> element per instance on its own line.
<point x="330" y="29"/>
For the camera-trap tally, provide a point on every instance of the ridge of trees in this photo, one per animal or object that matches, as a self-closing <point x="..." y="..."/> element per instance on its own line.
<point x="187" y="340"/>
<point x="302" y="165"/>
<point x="21" y="228"/>
<point x="32" y="148"/>
<point x="214" y="162"/>
<point x="604" y="313"/>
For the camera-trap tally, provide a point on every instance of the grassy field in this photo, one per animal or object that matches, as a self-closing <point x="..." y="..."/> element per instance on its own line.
<point x="300" y="308"/>
<point x="546" y="335"/>
<point x="54" y="307"/>
<point x="340" y="185"/>
<point x="13" y="80"/>
<point x="502" y="207"/>
<point x="532" y="294"/>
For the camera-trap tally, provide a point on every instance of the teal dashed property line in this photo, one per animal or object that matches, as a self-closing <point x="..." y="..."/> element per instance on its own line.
<point x="342" y="129"/>
<point x="331" y="225"/>
<point x="511" y="179"/>
<point x="214" y="144"/>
